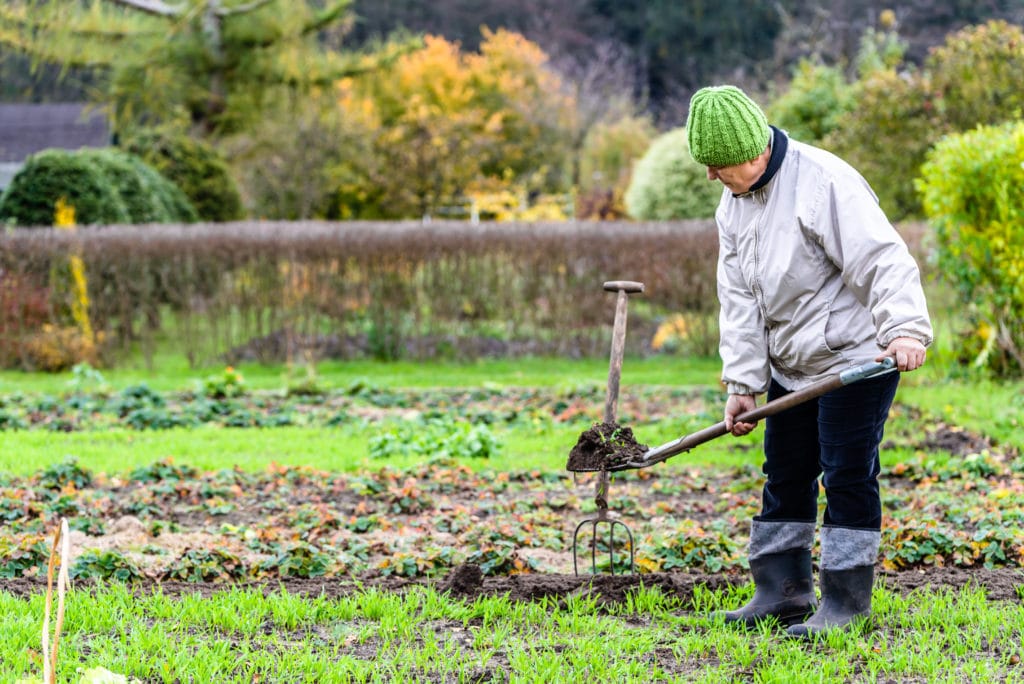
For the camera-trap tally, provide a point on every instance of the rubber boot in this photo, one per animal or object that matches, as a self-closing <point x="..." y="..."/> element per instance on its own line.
<point x="847" y="576"/>
<point x="845" y="596"/>
<point x="780" y="561"/>
<point x="783" y="589"/>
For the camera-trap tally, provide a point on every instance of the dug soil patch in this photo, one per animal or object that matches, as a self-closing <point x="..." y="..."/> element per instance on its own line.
<point x="605" y="446"/>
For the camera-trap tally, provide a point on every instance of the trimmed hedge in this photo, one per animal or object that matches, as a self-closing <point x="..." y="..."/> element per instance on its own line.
<point x="267" y="291"/>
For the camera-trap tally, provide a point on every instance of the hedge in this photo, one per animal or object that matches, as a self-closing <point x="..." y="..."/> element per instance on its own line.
<point x="271" y="290"/>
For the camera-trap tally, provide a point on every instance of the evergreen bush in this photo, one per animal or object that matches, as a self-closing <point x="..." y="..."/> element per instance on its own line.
<point x="668" y="184"/>
<point x="195" y="167"/>
<point x="148" y="196"/>
<point x="47" y="176"/>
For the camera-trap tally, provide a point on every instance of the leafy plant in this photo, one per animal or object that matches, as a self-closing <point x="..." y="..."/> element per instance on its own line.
<point x="64" y="473"/>
<point x="163" y="470"/>
<point x="500" y="558"/>
<point x="104" y="565"/>
<point x="225" y="385"/>
<point x="23" y="557"/>
<point x="205" y="565"/>
<point x="688" y="544"/>
<point x="435" y="438"/>
<point x="298" y="559"/>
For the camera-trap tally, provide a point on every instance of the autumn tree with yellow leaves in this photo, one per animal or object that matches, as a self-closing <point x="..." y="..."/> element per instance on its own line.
<point x="440" y="125"/>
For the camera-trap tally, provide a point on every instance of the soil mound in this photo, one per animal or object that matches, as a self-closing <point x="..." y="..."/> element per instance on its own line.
<point x="605" y="446"/>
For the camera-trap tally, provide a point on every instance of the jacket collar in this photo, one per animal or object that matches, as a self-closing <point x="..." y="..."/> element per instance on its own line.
<point x="780" y="142"/>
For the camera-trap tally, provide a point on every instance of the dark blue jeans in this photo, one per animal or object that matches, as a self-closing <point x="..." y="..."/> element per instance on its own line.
<point x="836" y="435"/>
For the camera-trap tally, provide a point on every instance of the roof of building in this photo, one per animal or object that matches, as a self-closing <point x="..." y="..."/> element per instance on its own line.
<point x="28" y="128"/>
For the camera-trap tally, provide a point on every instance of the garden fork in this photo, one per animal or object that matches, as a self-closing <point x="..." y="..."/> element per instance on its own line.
<point x="624" y="288"/>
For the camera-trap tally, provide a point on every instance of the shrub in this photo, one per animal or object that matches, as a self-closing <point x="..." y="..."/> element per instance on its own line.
<point x="668" y="184"/>
<point x="901" y="112"/>
<point x="977" y="74"/>
<point x="817" y="97"/>
<point x="195" y="167"/>
<point x="58" y="348"/>
<point x="972" y="188"/>
<point x="887" y="136"/>
<point x="47" y="176"/>
<point x="148" y="196"/>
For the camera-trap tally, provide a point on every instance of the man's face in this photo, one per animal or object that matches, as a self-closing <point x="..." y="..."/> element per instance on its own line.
<point x="738" y="177"/>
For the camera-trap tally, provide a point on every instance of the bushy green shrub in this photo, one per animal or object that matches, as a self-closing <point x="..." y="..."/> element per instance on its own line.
<point x="887" y="136"/>
<point x="668" y="184"/>
<point x="104" y="186"/>
<point x="47" y="176"/>
<point x="148" y="196"/>
<point x="816" y="98"/>
<point x="195" y="167"/>
<point x="972" y="188"/>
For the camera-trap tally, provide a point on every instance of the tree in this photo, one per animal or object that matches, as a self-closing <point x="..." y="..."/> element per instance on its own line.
<point x="441" y="121"/>
<point x="210" y="64"/>
<point x="974" y="78"/>
<point x="816" y="98"/>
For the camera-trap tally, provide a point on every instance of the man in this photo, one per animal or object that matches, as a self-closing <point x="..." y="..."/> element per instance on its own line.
<point x="812" y="280"/>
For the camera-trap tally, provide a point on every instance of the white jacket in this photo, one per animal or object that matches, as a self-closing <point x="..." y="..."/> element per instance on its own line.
<point x="812" y="277"/>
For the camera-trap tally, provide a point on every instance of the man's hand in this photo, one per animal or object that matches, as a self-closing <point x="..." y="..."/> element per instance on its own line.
<point x="734" y="406"/>
<point x="907" y="352"/>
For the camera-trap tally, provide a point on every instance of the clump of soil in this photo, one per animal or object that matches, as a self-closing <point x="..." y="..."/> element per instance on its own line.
<point x="605" y="446"/>
<point x="465" y="580"/>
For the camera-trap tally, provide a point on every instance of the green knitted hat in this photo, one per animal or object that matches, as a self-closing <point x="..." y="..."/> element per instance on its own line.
<point x="725" y="127"/>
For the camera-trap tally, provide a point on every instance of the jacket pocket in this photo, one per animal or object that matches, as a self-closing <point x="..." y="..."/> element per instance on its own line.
<point x="845" y="326"/>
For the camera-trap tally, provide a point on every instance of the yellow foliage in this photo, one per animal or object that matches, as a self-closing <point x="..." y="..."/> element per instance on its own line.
<point x="441" y="121"/>
<point x="670" y="333"/>
<point x="64" y="218"/>
<point x="55" y="349"/>
<point x="64" y="215"/>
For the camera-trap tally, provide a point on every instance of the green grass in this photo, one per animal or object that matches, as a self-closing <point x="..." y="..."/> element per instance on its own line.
<point x="985" y="407"/>
<point x="341" y="449"/>
<point x="174" y="374"/>
<point x="240" y="635"/>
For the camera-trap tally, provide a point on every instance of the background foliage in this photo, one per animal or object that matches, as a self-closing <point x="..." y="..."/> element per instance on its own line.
<point x="973" y="190"/>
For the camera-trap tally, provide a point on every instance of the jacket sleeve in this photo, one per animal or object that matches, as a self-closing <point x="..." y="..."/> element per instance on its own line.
<point x="743" y="343"/>
<point x="873" y="259"/>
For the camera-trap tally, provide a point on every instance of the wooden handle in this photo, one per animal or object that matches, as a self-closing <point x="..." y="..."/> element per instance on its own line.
<point x="867" y="370"/>
<point x="627" y="286"/>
